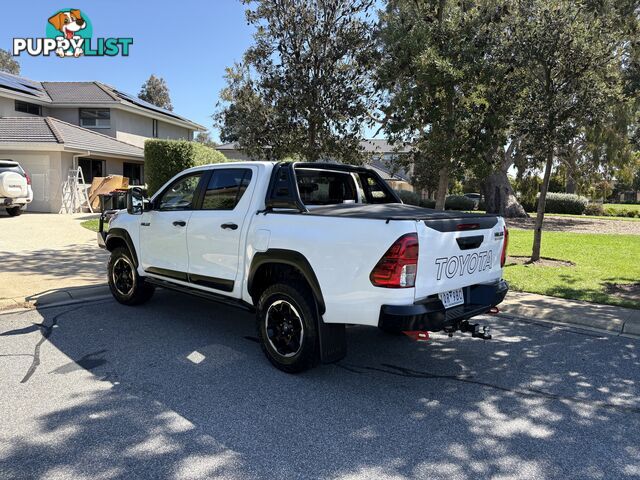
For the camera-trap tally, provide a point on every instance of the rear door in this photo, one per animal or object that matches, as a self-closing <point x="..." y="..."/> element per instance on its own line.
<point x="216" y="228"/>
<point x="458" y="252"/>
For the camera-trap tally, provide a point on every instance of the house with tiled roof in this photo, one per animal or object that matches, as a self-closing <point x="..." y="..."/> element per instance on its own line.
<point x="52" y="127"/>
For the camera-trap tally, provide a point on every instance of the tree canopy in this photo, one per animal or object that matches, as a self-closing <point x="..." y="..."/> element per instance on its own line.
<point x="8" y="63"/>
<point x="303" y="86"/>
<point x="156" y="91"/>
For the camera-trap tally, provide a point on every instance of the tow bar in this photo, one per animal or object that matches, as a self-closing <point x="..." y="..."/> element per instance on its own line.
<point x="474" y="328"/>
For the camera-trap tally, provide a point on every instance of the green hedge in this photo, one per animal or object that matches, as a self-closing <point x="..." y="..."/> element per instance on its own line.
<point x="621" y="212"/>
<point x="407" y="197"/>
<point x="565" y="203"/>
<point x="411" y="198"/>
<point x="452" y="202"/>
<point x="459" y="202"/>
<point x="165" y="158"/>
<point x="594" y="209"/>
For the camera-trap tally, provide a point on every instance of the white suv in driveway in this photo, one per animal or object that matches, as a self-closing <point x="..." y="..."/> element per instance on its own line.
<point x="15" y="187"/>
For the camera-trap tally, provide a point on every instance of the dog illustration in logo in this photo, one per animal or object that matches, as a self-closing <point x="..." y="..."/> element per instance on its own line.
<point x="69" y="23"/>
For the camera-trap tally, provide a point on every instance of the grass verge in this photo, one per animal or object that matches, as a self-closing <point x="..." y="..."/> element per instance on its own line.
<point x="622" y="206"/>
<point x="92" y="224"/>
<point x="600" y="260"/>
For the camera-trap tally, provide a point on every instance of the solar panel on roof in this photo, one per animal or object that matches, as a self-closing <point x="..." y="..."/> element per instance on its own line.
<point x="144" y="104"/>
<point x="21" y="85"/>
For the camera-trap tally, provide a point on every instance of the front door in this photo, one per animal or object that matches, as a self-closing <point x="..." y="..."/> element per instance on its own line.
<point x="216" y="229"/>
<point x="163" y="230"/>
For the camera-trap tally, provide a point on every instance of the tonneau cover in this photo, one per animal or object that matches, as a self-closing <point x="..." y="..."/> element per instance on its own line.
<point x="392" y="211"/>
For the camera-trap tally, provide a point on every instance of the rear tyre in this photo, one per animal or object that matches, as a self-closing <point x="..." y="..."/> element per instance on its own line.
<point x="127" y="287"/>
<point x="14" y="211"/>
<point x="286" y="321"/>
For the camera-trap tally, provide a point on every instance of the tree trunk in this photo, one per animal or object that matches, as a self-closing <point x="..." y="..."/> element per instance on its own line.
<point x="537" y="232"/>
<point x="443" y="185"/>
<point x="499" y="197"/>
<point x="571" y="183"/>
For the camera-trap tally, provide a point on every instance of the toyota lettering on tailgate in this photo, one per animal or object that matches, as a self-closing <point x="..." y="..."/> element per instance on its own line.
<point x="460" y="264"/>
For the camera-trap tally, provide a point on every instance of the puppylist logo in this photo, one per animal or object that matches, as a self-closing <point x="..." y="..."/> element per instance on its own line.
<point x="70" y="34"/>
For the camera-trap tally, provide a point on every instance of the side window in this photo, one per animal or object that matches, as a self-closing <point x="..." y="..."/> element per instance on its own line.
<point x="180" y="195"/>
<point x="226" y="187"/>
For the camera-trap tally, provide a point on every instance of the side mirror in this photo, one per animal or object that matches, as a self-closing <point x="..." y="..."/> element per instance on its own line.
<point x="135" y="201"/>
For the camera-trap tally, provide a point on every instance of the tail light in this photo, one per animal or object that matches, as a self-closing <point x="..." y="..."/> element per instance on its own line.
<point x="398" y="266"/>
<point x="28" y="178"/>
<point x="505" y="243"/>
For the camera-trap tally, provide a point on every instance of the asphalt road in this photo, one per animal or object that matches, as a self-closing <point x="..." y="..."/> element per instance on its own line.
<point x="179" y="389"/>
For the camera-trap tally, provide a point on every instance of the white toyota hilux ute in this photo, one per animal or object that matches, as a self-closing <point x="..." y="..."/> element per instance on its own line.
<point x="310" y="247"/>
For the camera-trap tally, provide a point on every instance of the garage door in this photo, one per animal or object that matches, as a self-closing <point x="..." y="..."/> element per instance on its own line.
<point x="38" y="166"/>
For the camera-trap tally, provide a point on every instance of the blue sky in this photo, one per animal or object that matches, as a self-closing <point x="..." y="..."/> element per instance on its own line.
<point x="189" y="43"/>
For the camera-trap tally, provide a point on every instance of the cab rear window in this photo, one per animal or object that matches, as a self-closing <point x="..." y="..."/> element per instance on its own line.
<point x="330" y="187"/>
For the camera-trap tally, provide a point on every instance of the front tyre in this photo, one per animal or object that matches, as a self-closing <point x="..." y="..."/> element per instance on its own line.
<point x="14" y="211"/>
<point x="127" y="287"/>
<point x="287" y="327"/>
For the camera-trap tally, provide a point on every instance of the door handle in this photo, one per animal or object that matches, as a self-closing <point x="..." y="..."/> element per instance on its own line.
<point x="229" y="226"/>
<point x="145" y="224"/>
<point x="179" y="223"/>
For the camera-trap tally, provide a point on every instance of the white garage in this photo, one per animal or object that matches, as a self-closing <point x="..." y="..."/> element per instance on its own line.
<point x="47" y="148"/>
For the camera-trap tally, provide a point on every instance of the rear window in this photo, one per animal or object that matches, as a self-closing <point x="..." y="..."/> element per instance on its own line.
<point x="226" y="188"/>
<point x="327" y="187"/>
<point x="319" y="187"/>
<point x="10" y="167"/>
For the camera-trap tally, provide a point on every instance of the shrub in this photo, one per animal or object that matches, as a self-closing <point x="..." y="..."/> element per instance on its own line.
<point x="428" y="203"/>
<point x="594" y="209"/>
<point x="165" y="158"/>
<point x="410" y="198"/>
<point x="565" y="203"/>
<point x="459" y="202"/>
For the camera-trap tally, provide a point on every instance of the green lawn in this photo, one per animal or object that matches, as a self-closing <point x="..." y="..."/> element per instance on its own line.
<point x="93" y="224"/>
<point x="599" y="259"/>
<point x="622" y="206"/>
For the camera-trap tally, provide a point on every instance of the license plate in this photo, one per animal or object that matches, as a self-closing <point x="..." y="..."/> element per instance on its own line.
<point x="452" y="298"/>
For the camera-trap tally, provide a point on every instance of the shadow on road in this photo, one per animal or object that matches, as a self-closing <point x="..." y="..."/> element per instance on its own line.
<point x="182" y="391"/>
<point x="69" y="262"/>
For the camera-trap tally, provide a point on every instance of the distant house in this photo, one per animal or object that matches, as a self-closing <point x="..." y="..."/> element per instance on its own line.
<point x="51" y="127"/>
<point x="383" y="158"/>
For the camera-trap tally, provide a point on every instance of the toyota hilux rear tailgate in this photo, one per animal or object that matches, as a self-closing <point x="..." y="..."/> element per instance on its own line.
<point x="457" y="252"/>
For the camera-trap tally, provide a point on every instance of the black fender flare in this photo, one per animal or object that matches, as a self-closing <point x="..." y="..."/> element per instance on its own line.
<point x="121" y="234"/>
<point x="292" y="258"/>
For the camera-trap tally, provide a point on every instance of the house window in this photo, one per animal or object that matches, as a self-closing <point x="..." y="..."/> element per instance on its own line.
<point x="155" y="128"/>
<point x="91" y="168"/>
<point x="133" y="171"/>
<point x="26" y="107"/>
<point x="95" y="117"/>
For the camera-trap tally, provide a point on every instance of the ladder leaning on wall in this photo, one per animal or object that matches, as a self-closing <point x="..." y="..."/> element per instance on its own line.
<point x="74" y="192"/>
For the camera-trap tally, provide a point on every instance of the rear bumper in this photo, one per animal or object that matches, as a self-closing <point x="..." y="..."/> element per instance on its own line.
<point x="431" y="315"/>
<point x="14" y="202"/>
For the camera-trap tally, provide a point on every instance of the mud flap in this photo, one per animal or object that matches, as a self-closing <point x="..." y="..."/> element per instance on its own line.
<point x="333" y="341"/>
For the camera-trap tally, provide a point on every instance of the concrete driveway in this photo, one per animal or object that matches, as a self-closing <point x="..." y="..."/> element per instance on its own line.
<point x="46" y="258"/>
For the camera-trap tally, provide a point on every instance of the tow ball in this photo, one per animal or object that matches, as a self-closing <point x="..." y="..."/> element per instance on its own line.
<point x="477" y="331"/>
